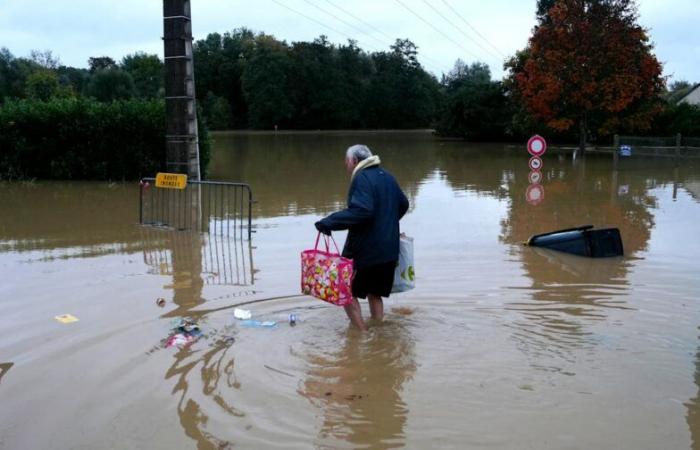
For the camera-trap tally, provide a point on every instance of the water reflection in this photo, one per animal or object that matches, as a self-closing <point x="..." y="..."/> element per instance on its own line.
<point x="358" y="387"/>
<point x="79" y="219"/>
<point x="204" y="379"/>
<point x="693" y="405"/>
<point x="224" y="261"/>
<point x="204" y="371"/>
<point x="569" y="293"/>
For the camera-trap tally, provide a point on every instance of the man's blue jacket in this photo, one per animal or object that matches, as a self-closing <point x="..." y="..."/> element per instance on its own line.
<point x="375" y="206"/>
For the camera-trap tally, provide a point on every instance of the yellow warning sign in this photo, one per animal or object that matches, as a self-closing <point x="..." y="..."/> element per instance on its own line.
<point x="66" y="318"/>
<point x="171" y="180"/>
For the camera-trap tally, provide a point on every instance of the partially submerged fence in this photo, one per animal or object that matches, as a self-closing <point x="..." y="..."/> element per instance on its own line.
<point x="674" y="148"/>
<point x="677" y="146"/>
<point x="216" y="207"/>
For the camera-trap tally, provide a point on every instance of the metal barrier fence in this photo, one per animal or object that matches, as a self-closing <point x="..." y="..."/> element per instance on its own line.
<point x="215" y="207"/>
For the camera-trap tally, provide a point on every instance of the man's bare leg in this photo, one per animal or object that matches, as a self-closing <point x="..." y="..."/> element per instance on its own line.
<point x="376" y="307"/>
<point x="355" y="314"/>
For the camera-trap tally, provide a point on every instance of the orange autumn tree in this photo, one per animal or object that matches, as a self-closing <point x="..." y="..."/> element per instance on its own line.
<point x="588" y="64"/>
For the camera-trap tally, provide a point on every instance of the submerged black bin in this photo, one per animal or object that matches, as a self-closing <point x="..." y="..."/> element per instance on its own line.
<point x="583" y="241"/>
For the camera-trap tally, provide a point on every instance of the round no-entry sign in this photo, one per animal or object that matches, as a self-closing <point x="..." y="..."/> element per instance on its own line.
<point x="534" y="194"/>
<point x="535" y="163"/>
<point x="534" y="177"/>
<point x="536" y="145"/>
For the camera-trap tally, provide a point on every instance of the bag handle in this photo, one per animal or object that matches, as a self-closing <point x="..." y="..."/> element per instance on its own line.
<point x="327" y="240"/>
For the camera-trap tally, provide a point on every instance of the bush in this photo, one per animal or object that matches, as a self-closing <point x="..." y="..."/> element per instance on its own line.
<point x="84" y="139"/>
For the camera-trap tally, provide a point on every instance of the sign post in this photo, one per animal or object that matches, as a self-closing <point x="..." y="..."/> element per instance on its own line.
<point x="536" y="146"/>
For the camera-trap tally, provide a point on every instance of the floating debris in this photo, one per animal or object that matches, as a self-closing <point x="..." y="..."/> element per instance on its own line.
<point x="185" y="331"/>
<point x="259" y="324"/>
<point x="66" y="318"/>
<point x="278" y="371"/>
<point x="242" y="314"/>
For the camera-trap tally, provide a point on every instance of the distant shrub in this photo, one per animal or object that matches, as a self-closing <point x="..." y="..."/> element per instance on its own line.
<point x="78" y="138"/>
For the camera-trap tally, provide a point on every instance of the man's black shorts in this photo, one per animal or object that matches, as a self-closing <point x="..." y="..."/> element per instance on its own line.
<point x="375" y="280"/>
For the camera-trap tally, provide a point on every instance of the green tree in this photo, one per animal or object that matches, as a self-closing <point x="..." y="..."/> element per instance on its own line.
<point x="42" y="85"/>
<point x="97" y="63"/>
<point x="107" y="85"/>
<point x="401" y="94"/>
<point x="217" y="112"/>
<point x="14" y="73"/>
<point x="74" y="78"/>
<point x="219" y="64"/>
<point x="6" y="73"/>
<point x="474" y="107"/>
<point x="316" y="81"/>
<point x="147" y="72"/>
<point x="264" y="83"/>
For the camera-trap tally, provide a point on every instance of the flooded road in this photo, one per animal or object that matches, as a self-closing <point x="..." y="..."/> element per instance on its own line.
<point x="499" y="346"/>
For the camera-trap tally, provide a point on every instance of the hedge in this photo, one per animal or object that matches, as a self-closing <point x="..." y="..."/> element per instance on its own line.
<point x="79" y="138"/>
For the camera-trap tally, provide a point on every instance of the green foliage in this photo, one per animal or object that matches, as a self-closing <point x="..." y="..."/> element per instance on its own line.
<point x="474" y="107"/>
<point x="683" y="118"/>
<point x="81" y="139"/>
<point x="98" y="63"/>
<point x="14" y="73"/>
<point x="217" y="111"/>
<point x="73" y="78"/>
<point x="148" y="74"/>
<point x="42" y="85"/>
<point x="310" y="85"/>
<point x="264" y="82"/>
<point x="107" y="85"/>
<point x="401" y="94"/>
<point x="219" y="64"/>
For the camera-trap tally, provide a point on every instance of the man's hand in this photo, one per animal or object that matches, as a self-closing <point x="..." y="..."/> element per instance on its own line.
<point x="322" y="228"/>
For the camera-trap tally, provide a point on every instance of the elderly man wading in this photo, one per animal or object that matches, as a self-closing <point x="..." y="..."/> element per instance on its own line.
<point x="375" y="206"/>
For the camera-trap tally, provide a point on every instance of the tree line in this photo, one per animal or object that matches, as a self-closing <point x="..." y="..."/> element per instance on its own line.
<point x="587" y="72"/>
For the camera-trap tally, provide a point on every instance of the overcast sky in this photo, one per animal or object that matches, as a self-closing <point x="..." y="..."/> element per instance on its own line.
<point x="77" y="29"/>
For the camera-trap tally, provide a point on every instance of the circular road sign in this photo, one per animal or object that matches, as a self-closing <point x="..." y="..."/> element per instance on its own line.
<point x="534" y="177"/>
<point x="536" y="145"/>
<point x="534" y="194"/>
<point x="535" y="163"/>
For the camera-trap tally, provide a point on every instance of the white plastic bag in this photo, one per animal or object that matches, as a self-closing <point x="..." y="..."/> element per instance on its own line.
<point x="405" y="275"/>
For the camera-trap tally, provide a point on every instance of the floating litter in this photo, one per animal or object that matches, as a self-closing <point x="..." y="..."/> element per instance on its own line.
<point x="66" y="318"/>
<point x="242" y="314"/>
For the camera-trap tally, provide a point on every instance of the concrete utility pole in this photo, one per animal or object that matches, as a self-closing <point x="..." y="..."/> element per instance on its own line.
<point x="182" y="151"/>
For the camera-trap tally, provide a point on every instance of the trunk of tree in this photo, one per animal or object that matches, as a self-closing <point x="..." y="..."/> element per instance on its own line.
<point x="582" y="135"/>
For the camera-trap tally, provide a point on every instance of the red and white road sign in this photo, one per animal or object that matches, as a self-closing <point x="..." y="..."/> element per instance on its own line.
<point x="536" y="145"/>
<point x="534" y="194"/>
<point x="534" y="177"/>
<point x="535" y="163"/>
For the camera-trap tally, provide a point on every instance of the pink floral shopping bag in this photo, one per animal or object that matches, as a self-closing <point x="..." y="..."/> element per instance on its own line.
<point x="326" y="275"/>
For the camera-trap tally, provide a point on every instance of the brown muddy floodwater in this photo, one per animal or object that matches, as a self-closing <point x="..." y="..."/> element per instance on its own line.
<point x="499" y="346"/>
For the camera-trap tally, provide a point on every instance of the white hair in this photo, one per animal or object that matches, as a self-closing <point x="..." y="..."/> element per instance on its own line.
<point x="358" y="152"/>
